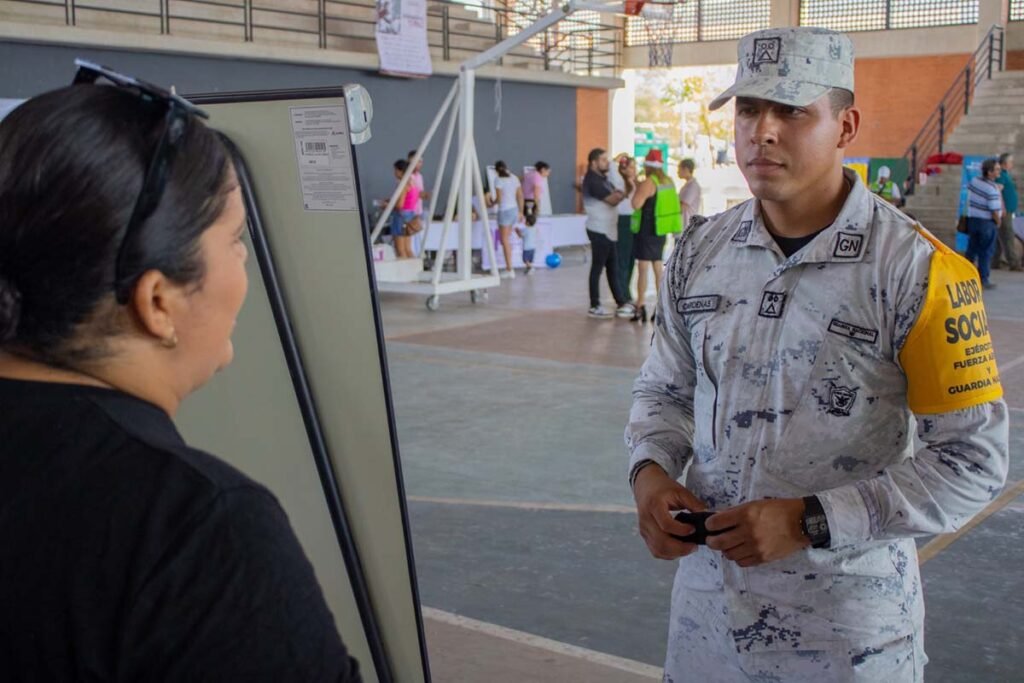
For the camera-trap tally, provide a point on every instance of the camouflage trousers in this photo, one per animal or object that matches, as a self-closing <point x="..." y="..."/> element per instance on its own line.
<point x="701" y="649"/>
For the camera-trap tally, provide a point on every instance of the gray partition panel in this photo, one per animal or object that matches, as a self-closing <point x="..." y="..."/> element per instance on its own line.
<point x="250" y="414"/>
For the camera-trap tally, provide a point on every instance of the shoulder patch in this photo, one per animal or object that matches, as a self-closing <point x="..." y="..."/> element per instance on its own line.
<point x="948" y="356"/>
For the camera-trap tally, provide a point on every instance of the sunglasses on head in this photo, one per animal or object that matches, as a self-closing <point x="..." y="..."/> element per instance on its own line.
<point x="176" y="119"/>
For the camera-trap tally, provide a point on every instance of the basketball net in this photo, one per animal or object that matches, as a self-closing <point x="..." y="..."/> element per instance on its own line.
<point x="658" y="19"/>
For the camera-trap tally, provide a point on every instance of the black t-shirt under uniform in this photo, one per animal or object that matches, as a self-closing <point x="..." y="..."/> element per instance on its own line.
<point x="125" y="555"/>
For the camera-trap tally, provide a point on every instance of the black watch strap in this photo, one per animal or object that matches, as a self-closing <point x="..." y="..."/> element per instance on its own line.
<point x="814" y="523"/>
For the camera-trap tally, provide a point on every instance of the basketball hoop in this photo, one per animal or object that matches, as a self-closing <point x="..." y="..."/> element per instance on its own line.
<point x="658" y="18"/>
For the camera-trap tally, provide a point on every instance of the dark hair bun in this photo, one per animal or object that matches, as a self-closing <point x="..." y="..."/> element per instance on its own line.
<point x="10" y="310"/>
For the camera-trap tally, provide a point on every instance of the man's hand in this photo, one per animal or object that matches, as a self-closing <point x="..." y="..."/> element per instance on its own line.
<point x="766" y="530"/>
<point x="656" y="493"/>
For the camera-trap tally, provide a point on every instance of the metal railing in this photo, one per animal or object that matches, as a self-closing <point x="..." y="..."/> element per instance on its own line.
<point x="985" y="61"/>
<point x="455" y="30"/>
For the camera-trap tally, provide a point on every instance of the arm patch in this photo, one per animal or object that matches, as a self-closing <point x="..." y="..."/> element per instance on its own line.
<point x="948" y="356"/>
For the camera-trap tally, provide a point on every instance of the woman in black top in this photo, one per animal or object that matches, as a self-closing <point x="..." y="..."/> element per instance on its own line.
<point x="125" y="555"/>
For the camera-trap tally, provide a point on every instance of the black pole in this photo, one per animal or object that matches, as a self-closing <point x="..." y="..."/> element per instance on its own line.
<point x="445" y="38"/>
<point x="991" y="44"/>
<point x="1002" y="46"/>
<point x="967" y="89"/>
<point x="942" y="124"/>
<point x="321" y="12"/>
<point x="913" y="168"/>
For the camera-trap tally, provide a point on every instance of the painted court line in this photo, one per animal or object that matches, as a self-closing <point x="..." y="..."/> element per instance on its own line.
<point x="547" y="373"/>
<point x="528" y="639"/>
<point x="564" y="507"/>
<point x="940" y="543"/>
<point x="1006" y="367"/>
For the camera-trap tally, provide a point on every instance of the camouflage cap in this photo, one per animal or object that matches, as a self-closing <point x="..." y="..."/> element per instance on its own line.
<point x="793" y="66"/>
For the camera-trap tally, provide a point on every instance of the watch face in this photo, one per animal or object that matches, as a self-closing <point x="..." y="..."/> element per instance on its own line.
<point x="817" y="525"/>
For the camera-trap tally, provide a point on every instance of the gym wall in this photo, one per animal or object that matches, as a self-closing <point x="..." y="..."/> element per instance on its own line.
<point x="896" y="95"/>
<point x="538" y="122"/>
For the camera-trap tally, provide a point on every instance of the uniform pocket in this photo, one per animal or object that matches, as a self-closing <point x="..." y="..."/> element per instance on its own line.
<point x="850" y="421"/>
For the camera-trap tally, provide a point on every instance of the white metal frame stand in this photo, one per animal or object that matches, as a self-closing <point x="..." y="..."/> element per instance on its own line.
<point x="467" y="181"/>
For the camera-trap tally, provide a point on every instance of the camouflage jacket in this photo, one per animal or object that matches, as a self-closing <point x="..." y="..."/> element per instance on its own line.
<point x="775" y="377"/>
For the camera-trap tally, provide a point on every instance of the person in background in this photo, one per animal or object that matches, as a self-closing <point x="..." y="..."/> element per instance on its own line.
<point x="404" y="214"/>
<point x="885" y="188"/>
<point x="126" y="554"/>
<point x="544" y="207"/>
<point x="600" y="199"/>
<point x="1006" y="242"/>
<point x="533" y="192"/>
<point x="417" y="182"/>
<point x="622" y="175"/>
<point x="510" y="211"/>
<point x="691" y="201"/>
<point x="984" y="214"/>
<point x="656" y="214"/>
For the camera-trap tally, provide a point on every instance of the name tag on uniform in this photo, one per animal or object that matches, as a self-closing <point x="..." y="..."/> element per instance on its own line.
<point x="852" y="331"/>
<point x="698" y="304"/>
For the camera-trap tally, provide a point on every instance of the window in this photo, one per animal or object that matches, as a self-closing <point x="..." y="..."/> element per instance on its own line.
<point x="878" y="15"/>
<point x="701" y="20"/>
<point x="1016" y="10"/>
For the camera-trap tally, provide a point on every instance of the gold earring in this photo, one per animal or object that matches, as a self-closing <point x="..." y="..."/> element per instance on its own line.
<point x="170" y="342"/>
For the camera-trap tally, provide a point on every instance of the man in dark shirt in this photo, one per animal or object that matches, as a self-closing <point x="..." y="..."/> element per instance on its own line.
<point x="600" y="199"/>
<point x="1006" y="242"/>
<point x="128" y="556"/>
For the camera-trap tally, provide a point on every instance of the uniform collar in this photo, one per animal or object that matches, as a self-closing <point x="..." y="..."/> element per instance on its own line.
<point x="845" y="241"/>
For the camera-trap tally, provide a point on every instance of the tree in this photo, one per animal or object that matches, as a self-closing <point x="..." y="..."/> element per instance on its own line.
<point x="694" y="89"/>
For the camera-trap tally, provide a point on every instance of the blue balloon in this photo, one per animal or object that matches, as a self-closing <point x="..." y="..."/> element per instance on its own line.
<point x="553" y="260"/>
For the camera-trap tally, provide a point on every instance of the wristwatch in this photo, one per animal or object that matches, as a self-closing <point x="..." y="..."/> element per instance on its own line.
<point x="814" y="523"/>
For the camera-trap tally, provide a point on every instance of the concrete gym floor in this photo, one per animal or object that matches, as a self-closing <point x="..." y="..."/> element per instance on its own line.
<point x="510" y="417"/>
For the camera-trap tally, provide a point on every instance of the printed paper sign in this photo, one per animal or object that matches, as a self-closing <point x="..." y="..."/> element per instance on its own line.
<point x="324" y="155"/>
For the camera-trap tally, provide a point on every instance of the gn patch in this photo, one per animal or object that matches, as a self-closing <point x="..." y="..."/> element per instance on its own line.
<point x="848" y="245"/>
<point x="852" y="331"/>
<point x="772" y="304"/>
<point x="697" y="304"/>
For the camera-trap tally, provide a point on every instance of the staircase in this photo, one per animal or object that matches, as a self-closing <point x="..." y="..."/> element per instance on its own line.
<point x="994" y="125"/>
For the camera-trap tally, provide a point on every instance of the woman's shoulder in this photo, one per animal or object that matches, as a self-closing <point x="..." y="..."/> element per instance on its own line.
<point x="153" y="443"/>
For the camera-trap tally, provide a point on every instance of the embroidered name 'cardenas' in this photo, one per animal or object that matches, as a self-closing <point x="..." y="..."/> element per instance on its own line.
<point x="698" y="304"/>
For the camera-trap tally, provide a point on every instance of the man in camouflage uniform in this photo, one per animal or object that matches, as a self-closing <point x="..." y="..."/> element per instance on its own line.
<point x="801" y="337"/>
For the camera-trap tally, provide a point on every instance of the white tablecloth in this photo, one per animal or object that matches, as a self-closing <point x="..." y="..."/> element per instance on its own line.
<point x="562" y="230"/>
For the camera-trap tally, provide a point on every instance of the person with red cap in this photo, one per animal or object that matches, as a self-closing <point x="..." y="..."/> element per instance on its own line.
<point x="656" y="213"/>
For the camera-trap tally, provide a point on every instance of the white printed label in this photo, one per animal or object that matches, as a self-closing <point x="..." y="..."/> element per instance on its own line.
<point x="324" y="155"/>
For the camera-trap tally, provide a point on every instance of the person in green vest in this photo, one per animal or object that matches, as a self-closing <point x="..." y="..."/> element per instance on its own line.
<point x="656" y="213"/>
<point x="885" y="188"/>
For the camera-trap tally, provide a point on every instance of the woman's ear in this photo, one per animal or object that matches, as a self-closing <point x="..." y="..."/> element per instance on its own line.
<point x="157" y="302"/>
